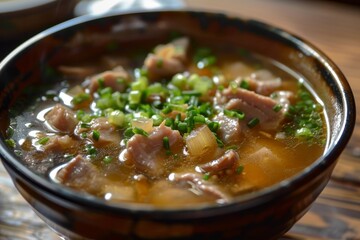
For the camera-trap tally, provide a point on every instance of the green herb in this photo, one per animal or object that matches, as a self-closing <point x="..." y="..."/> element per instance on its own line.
<point x="96" y="135"/>
<point x="159" y="63"/>
<point x="10" y="142"/>
<point x="234" y="113"/>
<point x="245" y="84"/>
<point x="253" y="122"/>
<point x="85" y="125"/>
<point x="239" y="169"/>
<point x="166" y="145"/>
<point x="80" y="98"/>
<point x="305" y="119"/>
<point x="107" y="159"/>
<point x="206" y="176"/>
<point x="90" y="150"/>
<point x="277" y="108"/>
<point x="140" y="131"/>
<point x="43" y="141"/>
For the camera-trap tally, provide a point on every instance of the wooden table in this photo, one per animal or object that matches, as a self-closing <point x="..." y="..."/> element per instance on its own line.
<point x="335" y="29"/>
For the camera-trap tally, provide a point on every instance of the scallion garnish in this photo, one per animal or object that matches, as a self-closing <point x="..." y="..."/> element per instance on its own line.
<point x="277" y="108"/>
<point x="43" y="141"/>
<point x="140" y="131"/>
<point x="233" y="113"/>
<point x="166" y="144"/>
<point x="107" y="159"/>
<point x="253" y="122"/>
<point x="80" y="98"/>
<point x="206" y="176"/>
<point x="10" y="142"/>
<point x="239" y="169"/>
<point x="96" y="135"/>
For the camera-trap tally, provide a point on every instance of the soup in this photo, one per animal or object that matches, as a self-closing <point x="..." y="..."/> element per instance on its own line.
<point x="177" y="124"/>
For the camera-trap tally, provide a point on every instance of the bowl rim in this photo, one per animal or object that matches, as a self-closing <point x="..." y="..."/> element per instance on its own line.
<point x="239" y="203"/>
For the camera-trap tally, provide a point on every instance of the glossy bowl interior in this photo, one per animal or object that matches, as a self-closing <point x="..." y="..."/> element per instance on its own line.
<point x="265" y="214"/>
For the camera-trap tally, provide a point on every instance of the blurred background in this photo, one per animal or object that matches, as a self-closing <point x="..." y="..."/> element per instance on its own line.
<point x="333" y="26"/>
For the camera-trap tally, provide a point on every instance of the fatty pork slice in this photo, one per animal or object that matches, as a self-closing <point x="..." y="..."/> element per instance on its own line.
<point x="80" y="174"/>
<point x="254" y="106"/>
<point x="226" y="161"/>
<point x="58" y="143"/>
<point x="116" y="79"/>
<point x="108" y="134"/>
<point x="230" y="129"/>
<point x="264" y="82"/>
<point x="195" y="183"/>
<point x="61" y="118"/>
<point x="167" y="60"/>
<point x="148" y="153"/>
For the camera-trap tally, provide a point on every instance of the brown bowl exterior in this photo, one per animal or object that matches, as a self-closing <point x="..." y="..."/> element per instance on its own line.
<point x="266" y="214"/>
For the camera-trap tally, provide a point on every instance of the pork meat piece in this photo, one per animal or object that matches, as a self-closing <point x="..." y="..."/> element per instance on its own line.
<point x="196" y="184"/>
<point x="226" y="161"/>
<point x="167" y="60"/>
<point x="116" y="79"/>
<point x="254" y="106"/>
<point x="82" y="175"/>
<point x="61" y="118"/>
<point x="60" y="143"/>
<point x="108" y="134"/>
<point x="148" y="153"/>
<point x="230" y="129"/>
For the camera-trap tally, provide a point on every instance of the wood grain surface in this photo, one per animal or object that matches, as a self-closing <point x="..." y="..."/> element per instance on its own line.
<point x="335" y="29"/>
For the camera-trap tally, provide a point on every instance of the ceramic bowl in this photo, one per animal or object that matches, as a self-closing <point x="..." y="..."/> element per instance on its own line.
<point x="266" y="214"/>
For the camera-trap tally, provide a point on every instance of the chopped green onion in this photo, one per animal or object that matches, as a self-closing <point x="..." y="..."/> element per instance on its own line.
<point x="166" y="145"/>
<point x="206" y="176"/>
<point x="277" y="108"/>
<point x="43" y="141"/>
<point x="159" y="63"/>
<point x="101" y="82"/>
<point x="134" y="97"/>
<point x="10" y="142"/>
<point x="85" y="125"/>
<point x="182" y="127"/>
<point x="253" y="122"/>
<point x="157" y="119"/>
<point x="117" y="118"/>
<point x="96" y="135"/>
<point x="107" y="159"/>
<point x="214" y="126"/>
<point x="140" y="131"/>
<point x="233" y="113"/>
<point x="90" y="149"/>
<point x="239" y="169"/>
<point x="80" y="98"/>
<point x="245" y="84"/>
<point x="10" y="131"/>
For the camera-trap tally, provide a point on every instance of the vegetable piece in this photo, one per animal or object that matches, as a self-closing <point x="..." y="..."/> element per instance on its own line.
<point x="96" y="135"/>
<point x="140" y="131"/>
<point x="145" y="124"/>
<point x="80" y="98"/>
<point x="201" y="142"/>
<point x="43" y="141"/>
<point x="234" y="113"/>
<point x="166" y="144"/>
<point x="253" y="122"/>
<point x="117" y="118"/>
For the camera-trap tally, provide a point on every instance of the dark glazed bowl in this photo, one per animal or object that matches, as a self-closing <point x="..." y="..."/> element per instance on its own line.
<point x="266" y="214"/>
